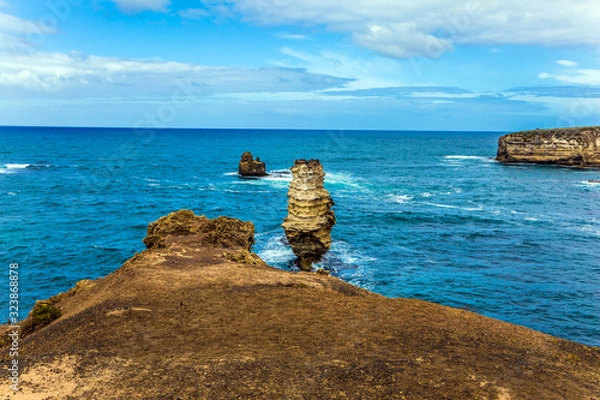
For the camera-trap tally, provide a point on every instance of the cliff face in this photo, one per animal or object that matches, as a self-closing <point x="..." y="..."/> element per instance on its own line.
<point x="310" y="219"/>
<point x="569" y="146"/>
<point x="198" y="316"/>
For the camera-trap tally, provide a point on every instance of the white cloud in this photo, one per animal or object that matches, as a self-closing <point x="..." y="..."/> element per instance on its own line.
<point x="578" y="76"/>
<point x="366" y="73"/>
<point x="12" y="24"/>
<point x="429" y="27"/>
<point x="60" y="74"/>
<point x="142" y="5"/>
<point x="18" y="35"/>
<point x="402" y="40"/>
<point x="193" y="13"/>
<point x="290" y="36"/>
<point x="566" y="63"/>
<point x="219" y="9"/>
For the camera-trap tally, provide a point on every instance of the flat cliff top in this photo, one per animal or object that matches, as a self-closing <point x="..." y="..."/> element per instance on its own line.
<point x="571" y="132"/>
<point x="198" y="316"/>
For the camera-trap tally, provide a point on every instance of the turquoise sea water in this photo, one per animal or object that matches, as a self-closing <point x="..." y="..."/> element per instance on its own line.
<point x="428" y="215"/>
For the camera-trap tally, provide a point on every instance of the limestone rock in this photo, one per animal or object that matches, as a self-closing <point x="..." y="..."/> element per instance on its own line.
<point x="250" y="167"/>
<point x="567" y="146"/>
<point x="310" y="218"/>
<point x="184" y="226"/>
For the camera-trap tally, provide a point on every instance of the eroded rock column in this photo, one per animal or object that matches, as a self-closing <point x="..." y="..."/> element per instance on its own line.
<point x="310" y="218"/>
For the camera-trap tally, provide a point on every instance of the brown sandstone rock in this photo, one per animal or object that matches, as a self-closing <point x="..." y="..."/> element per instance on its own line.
<point x="567" y="146"/>
<point x="185" y="227"/>
<point x="250" y="167"/>
<point x="310" y="219"/>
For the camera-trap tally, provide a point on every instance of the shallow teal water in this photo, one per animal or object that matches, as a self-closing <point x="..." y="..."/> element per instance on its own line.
<point x="429" y="215"/>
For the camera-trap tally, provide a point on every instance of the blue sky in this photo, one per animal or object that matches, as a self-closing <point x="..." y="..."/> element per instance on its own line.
<point x="328" y="64"/>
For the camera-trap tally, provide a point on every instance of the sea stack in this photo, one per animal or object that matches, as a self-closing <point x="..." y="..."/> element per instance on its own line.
<point x="578" y="147"/>
<point x="250" y="167"/>
<point x="310" y="218"/>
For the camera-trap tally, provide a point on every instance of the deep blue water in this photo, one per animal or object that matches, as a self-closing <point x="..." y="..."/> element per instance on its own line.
<point x="429" y="215"/>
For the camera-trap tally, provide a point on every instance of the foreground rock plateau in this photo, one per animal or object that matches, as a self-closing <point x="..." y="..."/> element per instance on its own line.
<point x="199" y="316"/>
<point x="568" y="146"/>
<point x="310" y="219"/>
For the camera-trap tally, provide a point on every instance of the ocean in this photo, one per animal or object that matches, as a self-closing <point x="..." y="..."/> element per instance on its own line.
<point x="426" y="215"/>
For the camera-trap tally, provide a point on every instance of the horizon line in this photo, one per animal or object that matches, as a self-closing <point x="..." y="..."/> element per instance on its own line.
<point x="251" y="129"/>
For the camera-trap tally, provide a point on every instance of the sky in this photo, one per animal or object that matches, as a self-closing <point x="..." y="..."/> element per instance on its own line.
<point x="312" y="64"/>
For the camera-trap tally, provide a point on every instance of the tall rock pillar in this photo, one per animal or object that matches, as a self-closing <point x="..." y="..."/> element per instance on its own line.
<point x="310" y="218"/>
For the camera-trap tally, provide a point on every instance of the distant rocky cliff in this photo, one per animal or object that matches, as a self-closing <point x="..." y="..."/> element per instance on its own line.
<point x="566" y="146"/>
<point x="310" y="219"/>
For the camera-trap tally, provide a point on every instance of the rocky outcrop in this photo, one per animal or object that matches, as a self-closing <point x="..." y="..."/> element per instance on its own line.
<point x="185" y="227"/>
<point x="310" y="218"/>
<point x="185" y="320"/>
<point x="250" y="167"/>
<point x="568" y="146"/>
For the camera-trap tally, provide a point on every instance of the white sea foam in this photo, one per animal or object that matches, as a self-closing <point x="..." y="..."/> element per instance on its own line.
<point x="209" y="188"/>
<point x="275" y="252"/>
<point x="12" y="168"/>
<point x="478" y="208"/>
<point x="345" y="180"/>
<point x="274" y="182"/>
<point x="399" y="198"/>
<point x="277" y="177"/>
<point x="441" y="205"/>
<point x="348" y="255"/>
<point x="282" y="179"/>
<point x="466" y="158"/>
<point x="16" y="166"/>
<point x="595" y="184"/>
<point x="340" y="256"/>
<point x="589" y="229"/>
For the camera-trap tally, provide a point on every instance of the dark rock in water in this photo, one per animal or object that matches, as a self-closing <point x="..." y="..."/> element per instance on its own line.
<point x="310" y="219"/>
<point x="567" y="146"/>
<point x="250" y="167"/>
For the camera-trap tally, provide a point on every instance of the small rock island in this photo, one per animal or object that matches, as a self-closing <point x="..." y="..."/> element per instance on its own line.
<point x="249" y="167"/>
<point x="310" y="219"/>
<point x="578" y="147"/>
